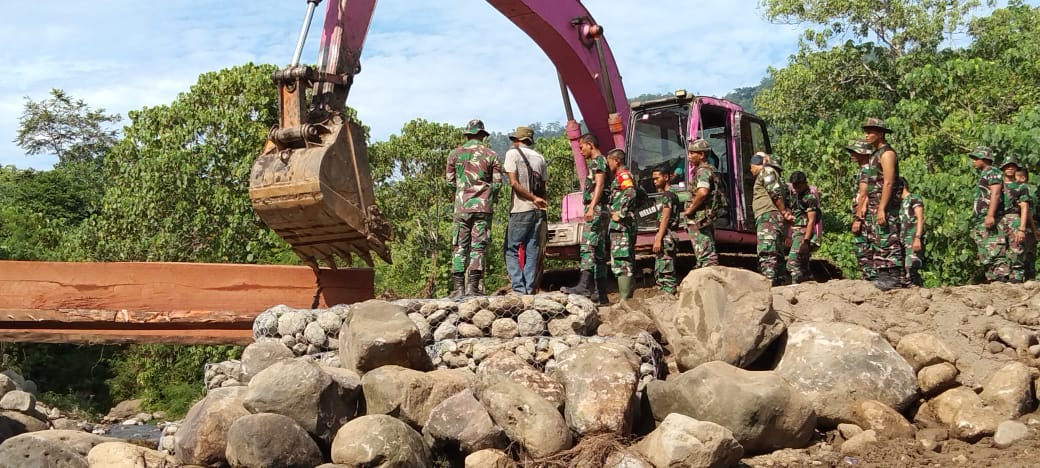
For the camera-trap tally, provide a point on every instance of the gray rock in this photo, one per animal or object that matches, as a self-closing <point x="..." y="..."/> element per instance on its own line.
<point x="127" y="455"/>
<point x="260" y="355"/>
<point x="16" y="422"/>
<point x="860" y="444"/>
<point x="835" y="364"/>
<point x="1009" y="432"/>
<point x="884" y="421"/>
<point x="314" y="334"/>
<point x="548" y="306"/>
<point x="301" y="390"/>
<point x="504" y="329"/>
<point x="266" y="324"/>
<point x="568" y="325"/>
<point x="506" y="306"/>
<point x="599" y="380"/>
<point x="761" y="410"/>
<point x="923" y="349"/>
<point x="379" y="334"/>
<point x="684" y="441"/>
<point x="1009" y="391"/>
<point x="445" y="331"/>
<point x="530" y="322"/>
<point x="849" y="431"/>
<point x="6" y="384"/>
<point x="489" y="458"/>
<point x="26" y="451"/>
<point x="945" y="406"/>
<point x="268" y="439"/>
<point x="462" y="421"/>
<point x="723" y="314"/>
<point x="526" y="417"/>
<point x="973" y="423"/>
<point x="379" y="441"/>
<point x="425" y="330"/>
<point x="292" y="323"/>
<point x="410" y="395"/>
<point x="202" y="437"/>
<point x="508" y="363"/>
<point x="329" y="321"/>
<point x="483" y="319"/>
<point x="18" y="400"/>
<point x="937" y="378"/>
<point x="469" y="307"/>
<point x="468" y="330"/>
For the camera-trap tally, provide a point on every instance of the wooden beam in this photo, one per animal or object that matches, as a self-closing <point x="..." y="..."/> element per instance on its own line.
<point x="160" y="302"/>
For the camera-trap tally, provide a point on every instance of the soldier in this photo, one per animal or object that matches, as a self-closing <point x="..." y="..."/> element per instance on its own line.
<point x="1029" y="248"/>
<point x="1013" y="223"/>
<point x="987" y="210"/>
<point x="622" y="222"/>
<point x="860" y="152"/>
<point x="667" y="207"/>
<point x="805" y="207"/>
<point x="882" y="214"/>
<point x="771" y="215"/>
<point x="700" y="214"/>
<point x="593" y="250"/>
<point x="473" y="169"/>
<point x="912" y="221"/>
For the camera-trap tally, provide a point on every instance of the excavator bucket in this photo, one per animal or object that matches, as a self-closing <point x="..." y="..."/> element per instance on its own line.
<point x="317" y="195"/>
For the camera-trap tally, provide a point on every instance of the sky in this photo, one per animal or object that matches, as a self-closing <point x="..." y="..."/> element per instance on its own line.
<point x="441" y="60"/>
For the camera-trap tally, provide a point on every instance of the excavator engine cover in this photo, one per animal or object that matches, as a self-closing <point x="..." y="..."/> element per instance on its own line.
<point x="316" y="193"/>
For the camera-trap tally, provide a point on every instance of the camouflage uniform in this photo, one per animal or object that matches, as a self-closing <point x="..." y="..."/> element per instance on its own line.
<point x="1029" y="254"/>
<point x="593" y="249"/>
<point x="908" y="219"/>
<point x="798" y="260"/>
<point x="664" y="263"/>
<point x="990" y="243"/>
<point x="886" y="242"/>
<point x="1014" y="194"/>
<point x="864" y="256"/>
<point x="622" y="232"/>
<point x="769" y="222"/>
<point x="473" y="169"/>
<point x="700" y="226"/>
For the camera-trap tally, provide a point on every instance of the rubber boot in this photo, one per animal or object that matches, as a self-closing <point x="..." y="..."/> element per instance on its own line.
<point x="473" y="287"/>
<point x="888" y="279"/>
<point x="458" y="281"/>
<point x="601" y="291"/>
<point x="624" y="288"/>
<point x="584" y="286"/>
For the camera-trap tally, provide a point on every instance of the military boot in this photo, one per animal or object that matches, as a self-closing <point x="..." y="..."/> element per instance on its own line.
<point x="473" y="286"/>
<point x="624" y="288"/>
<point x="584" y="286"/>
<point x="458" y="281"/>
<point x="889" y="278"/>
<point x="601" y="291"/>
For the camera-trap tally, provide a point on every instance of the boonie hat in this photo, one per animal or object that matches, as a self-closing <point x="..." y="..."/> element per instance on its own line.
<point x="475" y="127"/>
<point x="522" y="133"/>
<point x="859" y="147"/>
<point x="1009" y="161"/>
<point x="699" y="145"/>
<point x="877" y="123"/>
<point x="981" y="152"/>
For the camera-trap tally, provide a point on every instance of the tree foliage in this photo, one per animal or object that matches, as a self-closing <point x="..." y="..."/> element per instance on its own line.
<point x="939" y="101"/>
<point x="67" y="128"/>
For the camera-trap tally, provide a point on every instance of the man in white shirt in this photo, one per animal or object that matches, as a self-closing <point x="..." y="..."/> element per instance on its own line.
<point x="528" y="176"/>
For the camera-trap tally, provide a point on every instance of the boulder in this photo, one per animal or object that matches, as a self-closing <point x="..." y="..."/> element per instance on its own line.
<point x="526" y="417"/>
<point x="761" y="410"/>
<point x="127" y="455"/>
<point x="626" y="321"/>
<point x="461" y="422"/>
<point x="18" y="400"/>
<point x="379" y="441"/>
<point x="410" y="395"/>
<point x="30" y="452"/>
<point x="260" y="355"/>
<point x="377" y="334"/>
<point x="124" y="410"/>
<point x="599" y="381"/>
<point x="489" y="458"/>
<point x="303" y="391"/>
<point x="883" y="420"/>
<point x="945" y="406"/>
<point x="723" y="314"/>
<point x="923" y="349"/>
<point x="973" y="423"/>
<point x="835" y="364"/>
<point x="1009" y="391"/>
<point x="937" y="378"/>
<point x="269" y="439"/>
<point x="1009" y="432"/>
<point x="202" y="437"/>
<point x="508" y="363"/>
<point x="860" y="444"/>
<point x="16" y="422"/>
<point x="684" y="441"/>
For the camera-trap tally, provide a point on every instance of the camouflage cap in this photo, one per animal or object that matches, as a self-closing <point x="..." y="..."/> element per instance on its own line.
<point x="1010" y="160"/>
<point x="877" y="123"/>
<point x="699" y="145"/>
<point x="859" y="147"/>
<point x="475" y="127"/>
<point x="981" y="152"/>
<point x="522" y="133"/>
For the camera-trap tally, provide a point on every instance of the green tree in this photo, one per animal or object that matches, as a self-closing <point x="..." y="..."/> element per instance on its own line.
<point x="67" y="128"/>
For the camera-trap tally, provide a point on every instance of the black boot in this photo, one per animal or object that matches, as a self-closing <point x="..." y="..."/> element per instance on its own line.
<point x="473" y="286"/>
<point x="458" y="281"/>
<point x="601" y="291"/>
<point x="584" y="286"/>
<point x="889" y="278"/>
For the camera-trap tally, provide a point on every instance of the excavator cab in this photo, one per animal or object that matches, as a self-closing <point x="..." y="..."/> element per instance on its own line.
<point x="311" y="183"/>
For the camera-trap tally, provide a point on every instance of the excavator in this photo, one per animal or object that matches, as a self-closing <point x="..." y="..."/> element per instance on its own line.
<point x="312" y="185"/>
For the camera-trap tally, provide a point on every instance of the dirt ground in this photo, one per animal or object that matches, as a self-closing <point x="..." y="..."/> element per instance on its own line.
<point x="960" y="317"/>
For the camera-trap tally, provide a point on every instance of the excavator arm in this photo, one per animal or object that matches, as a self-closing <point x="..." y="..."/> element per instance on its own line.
<point x="312" y="184"/>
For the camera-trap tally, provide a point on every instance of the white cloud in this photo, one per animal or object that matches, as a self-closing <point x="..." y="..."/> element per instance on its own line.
<point x="443" y="60"/>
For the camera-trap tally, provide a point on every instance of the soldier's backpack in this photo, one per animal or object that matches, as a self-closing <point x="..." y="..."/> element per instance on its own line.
<point x="535" y="181"/>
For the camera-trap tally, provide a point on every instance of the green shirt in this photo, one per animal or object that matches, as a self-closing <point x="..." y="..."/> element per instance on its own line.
<point x="596" y="164"/>
<point x="768" y="187"/>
